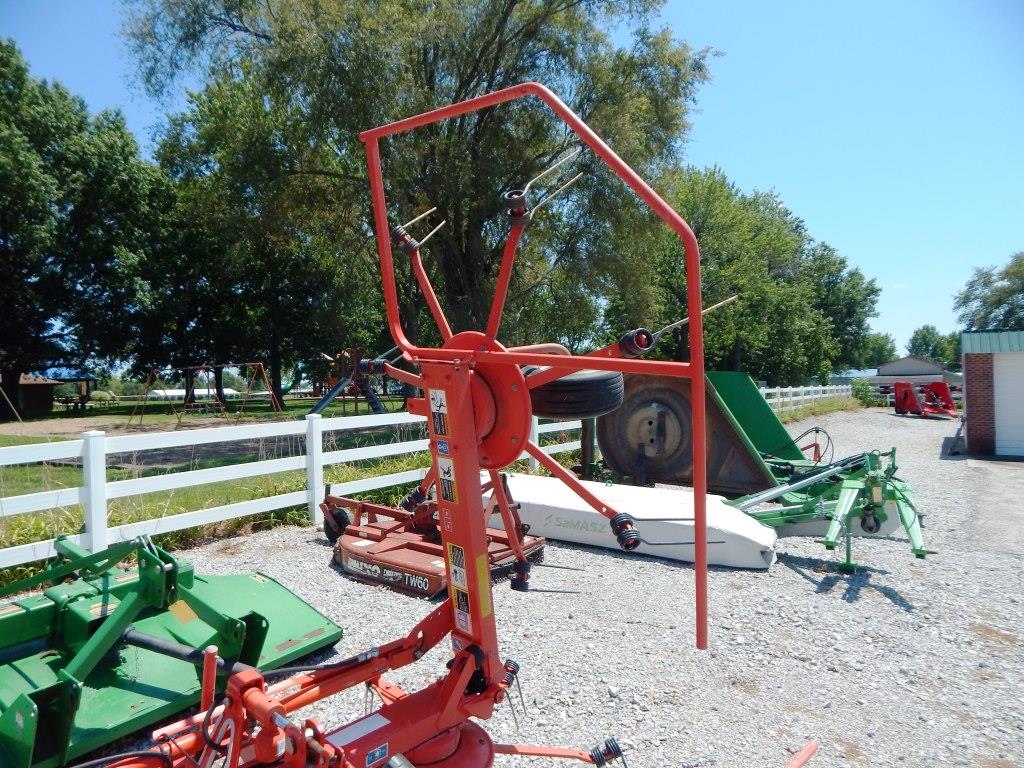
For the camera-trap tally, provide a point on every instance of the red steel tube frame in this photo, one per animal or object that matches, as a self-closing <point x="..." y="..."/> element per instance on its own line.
<point x="428" y="293"/>
<point x="504" y="276"/>
<point x="693" y="370"/>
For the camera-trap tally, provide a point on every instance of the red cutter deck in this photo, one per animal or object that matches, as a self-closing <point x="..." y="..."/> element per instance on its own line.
<point x="403" y="550"/>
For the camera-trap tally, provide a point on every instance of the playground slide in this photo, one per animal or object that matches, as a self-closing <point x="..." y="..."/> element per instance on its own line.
<point x="332" y="393"/>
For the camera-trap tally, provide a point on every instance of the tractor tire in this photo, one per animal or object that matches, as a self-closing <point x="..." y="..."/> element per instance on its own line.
<point x="580" y="395"/>
<point x="335" y="523"/>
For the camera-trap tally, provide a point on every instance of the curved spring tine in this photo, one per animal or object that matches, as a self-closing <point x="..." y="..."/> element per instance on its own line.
<point x="421" y="216"/>
<point x="432" y="233"/>
<point x="549" y="169"/>
<point x="558" y="191"/>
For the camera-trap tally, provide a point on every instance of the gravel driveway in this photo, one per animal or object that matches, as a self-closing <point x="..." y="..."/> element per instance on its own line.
<point x="909" y="663"/>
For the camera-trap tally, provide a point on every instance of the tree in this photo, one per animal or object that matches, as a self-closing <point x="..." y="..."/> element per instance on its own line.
<point x="792" y="290"/>
<point x="265" y="264"/>
<point x="928" y="343"/>
<point x="878" y="349"/>
<point x="76" y="207"/>
<point x="994" y="297"/>
<point x="336" y="68"/>
<point x="844" y="296"/>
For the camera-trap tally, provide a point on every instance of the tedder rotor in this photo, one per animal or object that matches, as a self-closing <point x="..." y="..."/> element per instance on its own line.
<point x="478" y="402"/>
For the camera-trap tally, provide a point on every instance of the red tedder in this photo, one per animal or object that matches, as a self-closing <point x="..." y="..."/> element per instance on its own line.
<point x="935" y="398"/>
<point x="477" y="401"/>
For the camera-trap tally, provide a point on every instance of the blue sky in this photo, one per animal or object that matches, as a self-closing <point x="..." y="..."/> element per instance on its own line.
<point x="894" y="129"/>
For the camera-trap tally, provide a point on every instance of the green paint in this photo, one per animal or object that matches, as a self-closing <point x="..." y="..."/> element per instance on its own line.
<point x="67" y="683"/>
<point x="756" y="420"/>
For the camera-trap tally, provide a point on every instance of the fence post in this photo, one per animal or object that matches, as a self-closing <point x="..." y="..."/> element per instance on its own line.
<point x="531" y="462"/>
<point x="94" y="483"/>
<point x="314" y="467"/>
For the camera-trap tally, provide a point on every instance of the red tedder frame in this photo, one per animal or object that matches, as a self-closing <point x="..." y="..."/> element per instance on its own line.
<point x="478" y="408"/>
<point x="604" y="359"/>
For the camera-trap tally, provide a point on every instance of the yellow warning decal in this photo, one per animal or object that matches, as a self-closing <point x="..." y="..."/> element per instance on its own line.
<point x="182" y="611"/>
<point x="483" y="585"/>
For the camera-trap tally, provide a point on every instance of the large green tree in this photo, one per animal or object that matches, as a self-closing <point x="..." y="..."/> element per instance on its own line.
<point x="879" y="348"/>
<point x="266" y="265"/>
<point x="994" y="297"/>
<point x="802" y="310"/>
<point x="927" y="342"/>
<point x="844" y="296"/>
<point x="335" y="68"/>
<point x="76" y="211"/>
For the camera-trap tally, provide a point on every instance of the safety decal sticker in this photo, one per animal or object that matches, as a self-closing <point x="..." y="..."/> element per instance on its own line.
<point x="462" y="620"/>
<point x="446" y="474"/>
<point x="376" y="755"/>
<point x="439" y="411"/>
<point x="457" y="558"/>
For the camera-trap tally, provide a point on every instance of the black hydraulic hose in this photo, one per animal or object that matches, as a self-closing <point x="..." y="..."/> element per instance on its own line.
<point x="179" y="651"/>
<point x="850" y="462"/>
<point x="146" y="754"/>
<point x="205" y="728"/>
<point x="352" y="661"/>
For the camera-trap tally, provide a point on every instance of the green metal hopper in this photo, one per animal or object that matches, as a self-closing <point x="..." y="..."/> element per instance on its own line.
<point x="70" y="682"/>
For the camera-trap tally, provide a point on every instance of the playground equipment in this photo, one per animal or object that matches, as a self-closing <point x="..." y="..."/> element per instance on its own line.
<point x="105" y="650"/>
<point x="203" y="399"/>
<point x="754" y="458"/>
<point x="406" y="553"/>
<point x="478" y="405"/>
<point x="935" y="399"/>
<point x="345" y="375"/>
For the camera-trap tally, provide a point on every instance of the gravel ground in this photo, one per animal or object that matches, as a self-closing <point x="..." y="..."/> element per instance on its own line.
<point x="909" y="662"/>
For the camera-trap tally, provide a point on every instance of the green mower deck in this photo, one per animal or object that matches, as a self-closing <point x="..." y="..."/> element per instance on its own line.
<point x="752" y="456"/>
<point x="69" y="680"/>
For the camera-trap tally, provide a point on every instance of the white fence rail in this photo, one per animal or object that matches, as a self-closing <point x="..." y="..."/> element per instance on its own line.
<point x="95" y="491"/>
<point x="788" y="398"/>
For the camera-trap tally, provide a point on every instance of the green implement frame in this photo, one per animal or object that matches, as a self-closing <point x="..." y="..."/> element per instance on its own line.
<point x="857" y="496"/>
<point x="70" y="682"/>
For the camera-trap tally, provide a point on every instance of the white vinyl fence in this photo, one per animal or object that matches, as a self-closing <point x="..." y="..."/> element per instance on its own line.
<point x="96" y="491"/>
<point x="787" y="398"/>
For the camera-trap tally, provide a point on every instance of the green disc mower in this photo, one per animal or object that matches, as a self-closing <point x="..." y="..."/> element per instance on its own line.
<point x="753" y="460"/>
<point x="104" y="650"/>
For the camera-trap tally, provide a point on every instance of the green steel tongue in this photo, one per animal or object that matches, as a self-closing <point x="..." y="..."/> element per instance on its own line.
<point x="70" y="682"/>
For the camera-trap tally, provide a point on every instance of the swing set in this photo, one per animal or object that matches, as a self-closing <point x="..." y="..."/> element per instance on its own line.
<point x="201" y="393"/>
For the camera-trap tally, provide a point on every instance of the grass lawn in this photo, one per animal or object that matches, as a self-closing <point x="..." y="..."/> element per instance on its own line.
<point x="820" y="408"/>
<point x="125" y="416"/>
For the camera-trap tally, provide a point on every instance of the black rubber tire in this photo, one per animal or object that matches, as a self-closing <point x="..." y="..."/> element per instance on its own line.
<point x="335" y="523"/>
<point x="580" y="395"/>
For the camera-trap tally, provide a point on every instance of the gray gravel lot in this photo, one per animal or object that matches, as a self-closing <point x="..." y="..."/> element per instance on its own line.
<point x="909" y="662"/>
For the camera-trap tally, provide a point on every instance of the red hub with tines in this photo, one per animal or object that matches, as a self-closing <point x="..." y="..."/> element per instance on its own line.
<point x="505" y="430"/>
